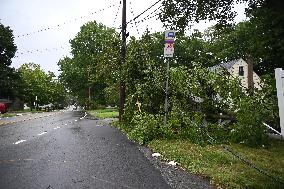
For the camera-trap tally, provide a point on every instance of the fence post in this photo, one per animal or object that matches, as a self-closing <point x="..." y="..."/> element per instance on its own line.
<point x="279" y="76"/>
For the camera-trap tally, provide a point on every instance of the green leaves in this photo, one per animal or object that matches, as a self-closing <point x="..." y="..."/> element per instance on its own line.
<point x="180" y="13"/>
<point x="7" y="46"/>
<point x="36" y="83"/>
<point x="94" y="66"/>
<point x="8" y="76"/>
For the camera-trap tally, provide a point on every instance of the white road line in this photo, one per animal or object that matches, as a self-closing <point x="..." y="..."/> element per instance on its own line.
<point x="56" y="128"/>
<point x="112" y="183"/>
<point x="20" y="141"/>
<point x="42" y="133"/>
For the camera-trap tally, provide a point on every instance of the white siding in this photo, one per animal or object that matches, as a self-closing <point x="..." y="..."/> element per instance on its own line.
<point x="234" y="71"/>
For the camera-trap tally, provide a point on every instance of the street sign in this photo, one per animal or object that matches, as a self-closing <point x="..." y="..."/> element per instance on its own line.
<point x="170" y="34"/>
<point x="169" y="43"/>
<point x="169" y="50"/>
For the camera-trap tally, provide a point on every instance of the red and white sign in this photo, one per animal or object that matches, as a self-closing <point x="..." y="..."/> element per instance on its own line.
<point x="169" y="43"/>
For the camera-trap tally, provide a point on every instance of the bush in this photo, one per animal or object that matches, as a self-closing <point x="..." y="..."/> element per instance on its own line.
<point x="145" y="127"/>
<point x="249" y="128"/>
<point x="219" y="93"/>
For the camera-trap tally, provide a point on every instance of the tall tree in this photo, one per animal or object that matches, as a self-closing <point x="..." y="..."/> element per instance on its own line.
<point x="8" y="76"/>
<point x="95" y="51"/>
<point x="180" y="13"/>
<point x="35" y="83"/>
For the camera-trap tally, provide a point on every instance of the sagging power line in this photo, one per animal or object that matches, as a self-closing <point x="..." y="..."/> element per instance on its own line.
<point x="64" y="23"/>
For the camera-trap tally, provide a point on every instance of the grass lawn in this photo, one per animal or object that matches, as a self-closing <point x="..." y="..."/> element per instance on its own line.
<point x="14" y="113"/>
<point x="221" y="167"/>
<point x="8" y="115"/>
<point x="104" y="113"/>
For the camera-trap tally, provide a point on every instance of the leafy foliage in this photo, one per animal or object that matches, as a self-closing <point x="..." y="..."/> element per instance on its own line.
<point x="8" y="76"/>
<point x="94" y="64"/>
<point x="36" y="83"/>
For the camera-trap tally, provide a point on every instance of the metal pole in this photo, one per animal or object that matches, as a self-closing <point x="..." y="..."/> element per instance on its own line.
<point x="166" y="91"/>
<point x="123" y="54"/>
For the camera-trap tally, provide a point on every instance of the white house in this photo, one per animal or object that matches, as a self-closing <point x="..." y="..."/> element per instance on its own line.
<point x="238" y="68"/>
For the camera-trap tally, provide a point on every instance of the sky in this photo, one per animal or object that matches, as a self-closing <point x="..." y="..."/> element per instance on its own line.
<point x="60" y="21"/>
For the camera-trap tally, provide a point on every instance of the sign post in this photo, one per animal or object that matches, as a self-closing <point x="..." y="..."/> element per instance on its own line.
<point x="168" y="53"/>
<point x="279" y="76"/>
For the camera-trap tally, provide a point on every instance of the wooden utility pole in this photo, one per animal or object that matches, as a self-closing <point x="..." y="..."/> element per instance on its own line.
<point x="123" y="55"/>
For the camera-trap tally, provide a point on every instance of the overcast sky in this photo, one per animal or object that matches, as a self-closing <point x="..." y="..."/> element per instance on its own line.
<point x="48" y="46"/>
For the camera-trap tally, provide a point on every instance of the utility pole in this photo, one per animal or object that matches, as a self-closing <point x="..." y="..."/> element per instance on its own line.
<point x="250" y="75"/>
<point x="89" y="83"/>
<point x="123" y="55"/>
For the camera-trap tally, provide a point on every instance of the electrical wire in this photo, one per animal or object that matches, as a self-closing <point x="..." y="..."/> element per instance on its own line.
<point x="247" y="162"/>
<point x="143" y="12"/>
<point x="64" y="23"/>
<point x="116" y="16"/>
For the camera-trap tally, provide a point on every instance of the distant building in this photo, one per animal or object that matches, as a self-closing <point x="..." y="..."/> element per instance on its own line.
<point x="238" y="69"/>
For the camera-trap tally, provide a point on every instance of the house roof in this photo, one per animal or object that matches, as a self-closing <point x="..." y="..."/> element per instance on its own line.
<point x="225" y="65"/>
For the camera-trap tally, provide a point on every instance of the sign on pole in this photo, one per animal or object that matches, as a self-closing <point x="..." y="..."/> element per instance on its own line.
<point x="169" y="43"/>
<point x="168" y="52"/>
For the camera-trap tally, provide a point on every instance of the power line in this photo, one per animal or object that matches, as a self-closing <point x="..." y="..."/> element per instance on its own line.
<point x="135" y="23"/>
<point x="143" y="19"/>
<point x="247" y="162"/>
<point x="148" y="18"/>
<point x="64" y="23"/>
<point x="116" y="15"/>
<point x="35" y="51"/>
<point x="143" y="12"/>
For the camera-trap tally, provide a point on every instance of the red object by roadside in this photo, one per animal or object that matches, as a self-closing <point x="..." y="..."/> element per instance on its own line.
<point x="3" y="108"/>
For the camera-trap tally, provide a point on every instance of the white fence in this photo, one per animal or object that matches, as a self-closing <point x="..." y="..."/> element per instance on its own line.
<point x="279" y="76"/>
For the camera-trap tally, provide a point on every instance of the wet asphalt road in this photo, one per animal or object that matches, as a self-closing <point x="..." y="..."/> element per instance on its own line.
<point x="64" y="150"/>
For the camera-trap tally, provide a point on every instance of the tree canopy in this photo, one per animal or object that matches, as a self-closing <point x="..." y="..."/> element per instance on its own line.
<point x="35" y="83"/>
<point x="94" y="68"/>
<point x="180" y="13"/>
<point x="8" y="76"/>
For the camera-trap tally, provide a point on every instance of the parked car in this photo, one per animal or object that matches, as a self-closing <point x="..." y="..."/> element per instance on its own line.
<point x="3" y="107"/>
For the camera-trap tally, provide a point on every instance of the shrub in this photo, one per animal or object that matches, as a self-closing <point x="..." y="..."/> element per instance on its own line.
<point x="145" y="127"/>
<point x="249" y="128"/>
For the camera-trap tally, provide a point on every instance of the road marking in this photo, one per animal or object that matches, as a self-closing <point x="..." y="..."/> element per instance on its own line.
<point x="42" y="133"/>
<point x="14" y="160"/>
<point x="56" y="128"/>
<point x="112" y="183"/>
<point x="20" y="141"/>
<point x="76" y="120"/>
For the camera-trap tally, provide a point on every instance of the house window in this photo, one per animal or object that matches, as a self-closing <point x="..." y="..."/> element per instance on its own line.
<point x="241" y="71"/>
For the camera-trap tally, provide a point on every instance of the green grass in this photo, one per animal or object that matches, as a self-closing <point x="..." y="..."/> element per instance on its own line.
<point x="221" y="167"/>
<point x="8" y="115"/>
<point x="104" y="113"/>
<point x="26" y="111"/>
<point x="14" y="113"/>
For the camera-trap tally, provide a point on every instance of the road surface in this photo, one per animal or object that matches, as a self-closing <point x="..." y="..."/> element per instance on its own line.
<point x="67" y="150"/>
